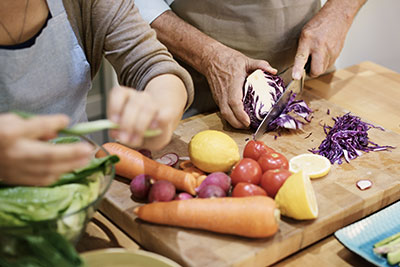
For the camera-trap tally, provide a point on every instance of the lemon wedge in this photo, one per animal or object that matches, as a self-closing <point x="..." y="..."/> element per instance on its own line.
<point x="296" y="198"/>
<point x="213" y="151"/>
<point x="315" y="166"/>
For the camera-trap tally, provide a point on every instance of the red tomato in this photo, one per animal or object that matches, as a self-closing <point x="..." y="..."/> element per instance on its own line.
<point x="272" y="161"/>
<point x="246" y="170"/>
<point x="248" y="189"/>
<point x="272" y="180"/>
<point x="254" y="149"/>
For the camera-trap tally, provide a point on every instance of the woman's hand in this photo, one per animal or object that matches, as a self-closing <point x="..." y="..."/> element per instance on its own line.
<point x="25" y="159"/>
<point x="226" y="72"/>
<point x="159" y="106"/>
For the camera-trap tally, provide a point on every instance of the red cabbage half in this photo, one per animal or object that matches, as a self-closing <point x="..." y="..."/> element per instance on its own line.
<point x="261" y="91"/>
<point x="347" y="138"/>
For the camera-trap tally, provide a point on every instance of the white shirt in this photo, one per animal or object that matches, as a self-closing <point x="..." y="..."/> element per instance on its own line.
<point x="150" y="10"/>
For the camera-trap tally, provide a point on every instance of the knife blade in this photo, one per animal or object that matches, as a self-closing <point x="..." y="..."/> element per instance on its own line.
<point x="294" y="86"/>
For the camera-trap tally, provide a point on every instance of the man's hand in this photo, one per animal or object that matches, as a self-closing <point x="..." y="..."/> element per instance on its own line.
<point x="324" y="35"/>
<point x="226" y="72"/>
<point x="27" y="160"/>
<point x="226" y="69"/>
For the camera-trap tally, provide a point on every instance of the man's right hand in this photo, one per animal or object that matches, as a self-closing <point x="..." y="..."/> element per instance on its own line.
<point x="26" y="159"/>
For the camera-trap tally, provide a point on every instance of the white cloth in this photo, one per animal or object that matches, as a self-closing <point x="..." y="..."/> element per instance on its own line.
<point x="51" y="76"/>
<point x="150" y="10"/>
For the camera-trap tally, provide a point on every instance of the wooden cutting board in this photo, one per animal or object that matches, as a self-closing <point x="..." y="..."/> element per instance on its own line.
<point x="340" y="201"/>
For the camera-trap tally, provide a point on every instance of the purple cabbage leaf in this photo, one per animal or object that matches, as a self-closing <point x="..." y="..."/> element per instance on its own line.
<point x="261" y="91"/>
<point x="347" y="138"/>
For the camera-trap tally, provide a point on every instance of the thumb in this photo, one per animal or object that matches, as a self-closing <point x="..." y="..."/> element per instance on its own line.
<point x="255" y="64"/>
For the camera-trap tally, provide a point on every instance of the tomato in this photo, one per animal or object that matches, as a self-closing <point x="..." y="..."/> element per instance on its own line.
<point x="246" y="170"/>
<point x="272" y="180"/>
<point x="254" y="149"/>
<point x="248" y="189"/>
<point x="272" y="161"/>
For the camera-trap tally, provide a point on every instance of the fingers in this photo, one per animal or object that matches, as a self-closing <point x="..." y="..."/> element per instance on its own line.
<point x="117" y="99"/>
<point x="235" y="102"/>
<point x="31" y="162"/>
<point x="135" y="113"/>
<point x="261" y="64"/>
<point x="42" y="126"/>
<point x="300" y="60"/>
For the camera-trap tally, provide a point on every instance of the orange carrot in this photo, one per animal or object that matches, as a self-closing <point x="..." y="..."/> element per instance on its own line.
<point x="200" y="179"/>
<point x="133" y="163"/>
<point x="255" y="216"/>
<point x="185" y="164"/>
<point x="194" y="171"/>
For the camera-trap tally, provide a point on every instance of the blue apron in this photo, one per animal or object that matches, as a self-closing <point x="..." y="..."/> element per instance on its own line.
<point x="52" y="76"/>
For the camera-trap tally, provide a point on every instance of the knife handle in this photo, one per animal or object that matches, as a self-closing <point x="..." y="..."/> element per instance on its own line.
<point x="307" y="66"/>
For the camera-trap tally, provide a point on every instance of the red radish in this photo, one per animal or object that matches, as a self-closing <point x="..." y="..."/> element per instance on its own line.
<point x="183" y="196"/>
<point x="169" y="159"/>
<point x="220" y="179"/>
<point x="211" y="190"/>
<point x="162" y="191"/>
<point x="140" y="186"/>
<point x="145" y="152"/>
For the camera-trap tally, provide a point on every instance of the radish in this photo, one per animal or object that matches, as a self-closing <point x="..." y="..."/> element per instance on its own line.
<point x="169" y="159"/>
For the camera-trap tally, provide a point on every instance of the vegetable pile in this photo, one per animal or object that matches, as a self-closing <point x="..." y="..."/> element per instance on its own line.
<point x="261" y="91"/>
<point x="347" y="138"/>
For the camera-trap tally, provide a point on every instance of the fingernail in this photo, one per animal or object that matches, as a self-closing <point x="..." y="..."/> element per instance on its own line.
<point x="154" y="125"/>
<point x="296" y="76"/>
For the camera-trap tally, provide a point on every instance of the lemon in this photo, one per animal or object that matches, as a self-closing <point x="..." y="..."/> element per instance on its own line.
<point x="315" y="166"/>
<point x="213" y="151"/>
<point x="296" y="198"/>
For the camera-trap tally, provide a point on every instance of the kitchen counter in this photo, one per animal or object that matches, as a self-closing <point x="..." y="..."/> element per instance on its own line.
<point x="367" y="90"/>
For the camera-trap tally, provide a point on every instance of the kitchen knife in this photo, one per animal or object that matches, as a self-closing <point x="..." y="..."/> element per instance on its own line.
<point x="294" y="86"/>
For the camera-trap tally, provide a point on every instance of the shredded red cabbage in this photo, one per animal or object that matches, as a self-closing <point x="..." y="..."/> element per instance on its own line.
<point x="347" y="138"/>
<point x="270" y="89"/>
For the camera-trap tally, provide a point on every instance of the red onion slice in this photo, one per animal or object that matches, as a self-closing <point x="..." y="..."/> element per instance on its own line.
<point x="364" y="184"/>
<point x="169" y="159"/>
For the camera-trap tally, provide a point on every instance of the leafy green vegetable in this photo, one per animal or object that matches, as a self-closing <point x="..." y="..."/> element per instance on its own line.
<point x="43" y="249"/>
<point x="95" y="165"/>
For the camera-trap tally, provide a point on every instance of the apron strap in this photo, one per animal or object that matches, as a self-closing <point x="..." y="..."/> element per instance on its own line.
<point x="56" y="7"/>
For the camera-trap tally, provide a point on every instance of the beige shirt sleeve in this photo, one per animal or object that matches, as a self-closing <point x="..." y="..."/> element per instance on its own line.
<point x="115" y="29"/>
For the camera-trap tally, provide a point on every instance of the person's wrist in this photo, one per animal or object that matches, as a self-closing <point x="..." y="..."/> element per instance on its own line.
<point x="209" y="53"/>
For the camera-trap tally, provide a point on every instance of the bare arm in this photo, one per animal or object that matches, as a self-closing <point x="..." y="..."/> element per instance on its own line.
<point x="324" y="35"/>
<point x="224" y="68"/>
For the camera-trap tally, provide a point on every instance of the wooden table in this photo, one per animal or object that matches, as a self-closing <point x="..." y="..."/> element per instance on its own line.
<point x="368" y="90"/>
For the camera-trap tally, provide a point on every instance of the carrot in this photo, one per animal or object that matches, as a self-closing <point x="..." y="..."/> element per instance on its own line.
<point x="186" y="164"/>
<point x="255" y="216"/>
<point x="194" y="171"/>
<point x="133" y="163"/>
<point x="200" y="179"/>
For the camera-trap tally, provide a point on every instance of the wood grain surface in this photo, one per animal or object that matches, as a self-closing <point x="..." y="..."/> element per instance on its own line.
<point x="367" y="90"/>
